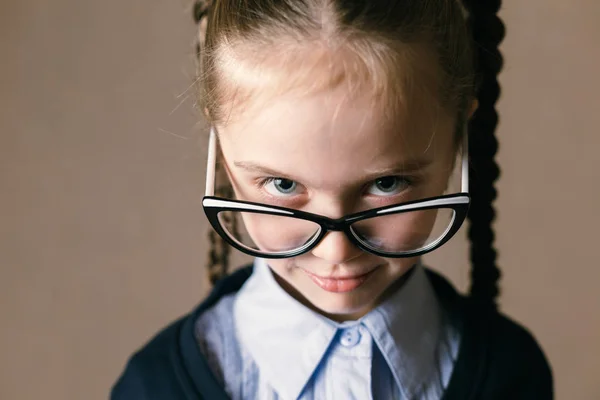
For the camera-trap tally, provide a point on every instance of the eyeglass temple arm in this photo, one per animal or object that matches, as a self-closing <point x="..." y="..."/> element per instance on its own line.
<point x="212" y="159"/>
<point x="465" y="164"/>
<point x="211" y="163"/>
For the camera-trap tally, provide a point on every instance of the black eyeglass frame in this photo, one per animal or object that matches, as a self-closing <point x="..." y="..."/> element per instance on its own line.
<point x="212" y="205"/>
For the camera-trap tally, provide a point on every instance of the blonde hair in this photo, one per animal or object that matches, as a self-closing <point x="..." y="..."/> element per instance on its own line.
<point x="387" y="49"/>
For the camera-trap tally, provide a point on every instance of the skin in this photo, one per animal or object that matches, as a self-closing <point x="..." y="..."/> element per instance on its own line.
<point x="335" y="148"/>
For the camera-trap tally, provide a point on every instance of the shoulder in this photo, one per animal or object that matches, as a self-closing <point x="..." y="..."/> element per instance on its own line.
<point x="171" y="365"/>
<point x="498" y="357"/>
<point x="512" y="340"/>
<point x="516" y="362"/>
<point x="150" y="372"/>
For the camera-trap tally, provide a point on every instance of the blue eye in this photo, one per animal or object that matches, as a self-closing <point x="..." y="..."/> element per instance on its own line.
<point x="279" y="186"/>
<point x="389" y="185"/>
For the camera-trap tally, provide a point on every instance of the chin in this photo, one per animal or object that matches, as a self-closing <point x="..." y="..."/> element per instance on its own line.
<point x="343" y="306"/>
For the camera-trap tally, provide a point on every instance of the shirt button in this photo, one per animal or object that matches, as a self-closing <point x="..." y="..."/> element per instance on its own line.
<point x="350" y="337"/>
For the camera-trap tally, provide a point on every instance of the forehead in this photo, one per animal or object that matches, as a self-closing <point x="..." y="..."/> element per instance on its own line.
<point x="328" y="137"/>
<point x="395" y="75"/>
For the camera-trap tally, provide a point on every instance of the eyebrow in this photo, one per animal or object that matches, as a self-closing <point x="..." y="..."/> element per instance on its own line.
<point x="253" y="167"/>
<point x="404" y="167"/>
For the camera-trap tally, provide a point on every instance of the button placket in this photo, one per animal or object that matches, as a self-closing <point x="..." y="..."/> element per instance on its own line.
<point x="350" y="364"/>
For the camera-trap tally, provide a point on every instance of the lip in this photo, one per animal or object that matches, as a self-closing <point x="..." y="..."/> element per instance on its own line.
<point x="340" y="284"/>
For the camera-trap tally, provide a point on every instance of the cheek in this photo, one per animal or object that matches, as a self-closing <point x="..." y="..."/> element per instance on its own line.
<point x="421" y="228"/>
<point x="275" y="233"/>
<point x="405" y="231"/>
<point x="291" y="278"/>
<point x="388" y="275"/>
<point x="284" y="268"/>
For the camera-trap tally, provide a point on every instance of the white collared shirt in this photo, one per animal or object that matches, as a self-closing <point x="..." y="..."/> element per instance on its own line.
<point x="264" y="344"/>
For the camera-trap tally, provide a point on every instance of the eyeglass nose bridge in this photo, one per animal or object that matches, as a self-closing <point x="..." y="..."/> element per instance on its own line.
<point x="339" y="225"/>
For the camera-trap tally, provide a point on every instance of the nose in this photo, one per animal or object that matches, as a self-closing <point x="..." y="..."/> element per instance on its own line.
<point x="336" y="248"/>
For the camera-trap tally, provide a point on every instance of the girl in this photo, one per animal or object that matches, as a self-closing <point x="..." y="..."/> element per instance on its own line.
<point x="338" y="124"/>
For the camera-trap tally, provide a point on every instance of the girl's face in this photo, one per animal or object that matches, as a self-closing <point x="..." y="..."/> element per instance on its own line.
<point x="330" y="155"/>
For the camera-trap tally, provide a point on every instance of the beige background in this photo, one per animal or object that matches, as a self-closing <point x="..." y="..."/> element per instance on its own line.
<point x="102" y="234"/>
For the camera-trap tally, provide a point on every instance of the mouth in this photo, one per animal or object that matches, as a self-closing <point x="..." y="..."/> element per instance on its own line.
<point x="340" y="284"/>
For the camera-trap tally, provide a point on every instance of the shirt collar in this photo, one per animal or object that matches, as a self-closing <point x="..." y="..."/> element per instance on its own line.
<point x="287" y="340"/>
<point x="407" y="329"/>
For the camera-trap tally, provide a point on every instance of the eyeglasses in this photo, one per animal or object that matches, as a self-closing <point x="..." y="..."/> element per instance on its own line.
<point x="400" y="230"/>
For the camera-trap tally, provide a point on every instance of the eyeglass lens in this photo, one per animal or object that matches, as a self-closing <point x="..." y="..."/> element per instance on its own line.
<point x="393" y="233"/>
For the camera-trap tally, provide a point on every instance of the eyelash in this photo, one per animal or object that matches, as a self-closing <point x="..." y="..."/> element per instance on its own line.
<point x="410" y="181"/>
<point x="262" y="182"/>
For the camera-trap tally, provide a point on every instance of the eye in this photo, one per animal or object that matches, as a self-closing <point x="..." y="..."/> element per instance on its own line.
<point x="279" y="186"/>
<point x="389" y="185"/>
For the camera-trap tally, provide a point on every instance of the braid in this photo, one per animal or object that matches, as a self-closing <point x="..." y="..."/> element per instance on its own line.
<point x="201" y="11"/>
<point x="218" y="255"/>
<point x="488" y="32"/>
